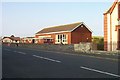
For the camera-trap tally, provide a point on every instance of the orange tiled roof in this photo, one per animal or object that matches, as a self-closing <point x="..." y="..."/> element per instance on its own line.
<point x="110" y="10"/>
<point x="67" y="27"/>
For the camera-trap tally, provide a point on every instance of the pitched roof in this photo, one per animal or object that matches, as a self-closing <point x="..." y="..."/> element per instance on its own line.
<point x="67" y="27"/>
<point x="30" y="37"/>
<point x="13" y="38"/>
<point x="110" y="10"/>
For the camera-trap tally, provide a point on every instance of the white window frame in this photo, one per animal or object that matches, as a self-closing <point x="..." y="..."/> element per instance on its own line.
<point x="64" y="39"/>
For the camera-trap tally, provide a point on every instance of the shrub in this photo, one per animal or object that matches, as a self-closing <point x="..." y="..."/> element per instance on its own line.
<point x="99" y="40"/>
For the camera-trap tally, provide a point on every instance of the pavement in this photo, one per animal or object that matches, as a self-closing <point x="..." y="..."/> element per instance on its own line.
<point x="29" y="63"/>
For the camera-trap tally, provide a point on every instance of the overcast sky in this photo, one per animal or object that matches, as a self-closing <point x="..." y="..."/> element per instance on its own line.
<point x="26" y="18"/>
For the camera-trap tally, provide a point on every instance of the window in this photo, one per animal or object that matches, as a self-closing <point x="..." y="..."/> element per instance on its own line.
<point x="58" y="38"/>
<point x="61" y="38"/>
<point x="64" y="38"/>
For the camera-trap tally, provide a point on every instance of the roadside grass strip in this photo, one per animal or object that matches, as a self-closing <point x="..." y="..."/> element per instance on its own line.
<point x="47" y="59"/>
<point x="98" y="71"/>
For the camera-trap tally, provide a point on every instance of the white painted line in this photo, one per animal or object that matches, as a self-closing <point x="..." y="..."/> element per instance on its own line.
<point x="7" y="49"/>
<point x="111" y="74"/>
<point x="83" y="55"/>
<point x="37" y="56"/>
<point x="76" y="54"/>
<point x="14" y="51"/>
<point x="47" y="58"/>
<point x="21" y="52"/>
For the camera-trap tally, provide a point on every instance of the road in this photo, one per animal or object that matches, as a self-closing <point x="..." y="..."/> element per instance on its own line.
<point x="27" y="63"/>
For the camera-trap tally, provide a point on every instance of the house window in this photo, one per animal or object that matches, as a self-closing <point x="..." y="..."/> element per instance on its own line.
<point x="64" y="38"/>
<point x="61" y="38"/>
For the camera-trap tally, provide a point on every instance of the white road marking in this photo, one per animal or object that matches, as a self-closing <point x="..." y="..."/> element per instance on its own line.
<point x="14" y="51"/>
<point x="81" y="55"/>
<point x="7" y="49"/>
<point x="103" y="72"/>
<point x="76" y="54"/>
<point x="47" y="58"/>
<point x="19" y="52"/>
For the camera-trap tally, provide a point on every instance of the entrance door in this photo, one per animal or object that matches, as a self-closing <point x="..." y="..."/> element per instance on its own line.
<point x="119" y="39"/>
<point x="33" y="41"/>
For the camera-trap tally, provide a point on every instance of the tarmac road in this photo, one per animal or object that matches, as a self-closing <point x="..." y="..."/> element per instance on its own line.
<point x="27" y="63"/>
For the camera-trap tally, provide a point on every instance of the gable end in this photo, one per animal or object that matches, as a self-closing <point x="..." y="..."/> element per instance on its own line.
<point x="84" y="25"/>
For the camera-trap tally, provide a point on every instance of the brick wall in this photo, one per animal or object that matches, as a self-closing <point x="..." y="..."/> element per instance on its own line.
<point x="81" y="34"/>
<point x="105" y="32"/>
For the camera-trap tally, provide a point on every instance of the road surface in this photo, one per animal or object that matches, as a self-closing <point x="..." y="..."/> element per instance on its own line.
<point x="26" y="63"/>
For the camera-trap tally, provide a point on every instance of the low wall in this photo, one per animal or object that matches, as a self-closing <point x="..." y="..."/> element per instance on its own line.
<point x="82" y="47"/>
<point x="78" y="48"/>
<point x="51" y="47"/>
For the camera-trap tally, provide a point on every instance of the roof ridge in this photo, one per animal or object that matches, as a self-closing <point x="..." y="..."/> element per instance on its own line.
<point x="62" y="25"/>
<point x="60" y="28"/>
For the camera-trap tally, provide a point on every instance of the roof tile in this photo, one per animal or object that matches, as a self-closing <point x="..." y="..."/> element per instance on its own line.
<point x="67" y="27"/>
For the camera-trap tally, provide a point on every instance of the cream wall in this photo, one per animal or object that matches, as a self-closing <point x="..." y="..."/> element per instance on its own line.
<point x="108" y="27"/>
<point x="16" y="42"/>
<point x="114" y="22"/>
<point x="7" y="40"/>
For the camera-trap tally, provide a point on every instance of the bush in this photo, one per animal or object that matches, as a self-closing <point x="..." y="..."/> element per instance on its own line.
<point x="99" y="40"/>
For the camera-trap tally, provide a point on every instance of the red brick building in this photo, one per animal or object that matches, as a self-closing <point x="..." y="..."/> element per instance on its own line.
<point x="65" y="34"/>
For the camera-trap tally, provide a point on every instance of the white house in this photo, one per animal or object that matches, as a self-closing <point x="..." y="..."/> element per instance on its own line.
<point x="11" y="39"/>
<point x="112" y="27"/>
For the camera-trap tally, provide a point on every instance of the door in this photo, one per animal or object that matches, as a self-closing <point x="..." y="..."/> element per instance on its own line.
<point x="33" y="41"/>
